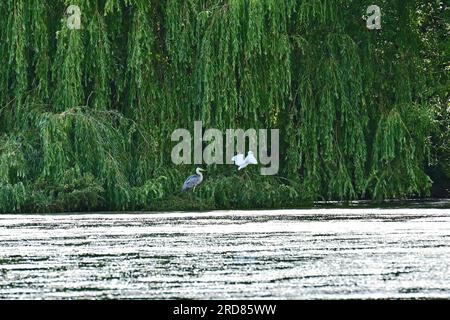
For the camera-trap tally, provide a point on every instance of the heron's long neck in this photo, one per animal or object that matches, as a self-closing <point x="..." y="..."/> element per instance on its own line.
<point x="200" y="174"/>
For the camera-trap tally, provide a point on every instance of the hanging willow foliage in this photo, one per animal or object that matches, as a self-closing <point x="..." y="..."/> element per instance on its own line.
<point x="331" y="110"/>
<point x="86" y="114"/>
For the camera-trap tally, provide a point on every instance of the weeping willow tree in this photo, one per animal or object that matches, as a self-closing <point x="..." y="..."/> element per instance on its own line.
<point x="86" y="114"/>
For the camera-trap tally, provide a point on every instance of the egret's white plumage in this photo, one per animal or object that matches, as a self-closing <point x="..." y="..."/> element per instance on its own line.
<point x="251" y="158"/>
<point x="238" y="159"/>
<point x="241" y="162"/>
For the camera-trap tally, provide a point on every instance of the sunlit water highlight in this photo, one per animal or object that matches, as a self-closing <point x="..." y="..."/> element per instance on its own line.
<point x="293" y="254"/>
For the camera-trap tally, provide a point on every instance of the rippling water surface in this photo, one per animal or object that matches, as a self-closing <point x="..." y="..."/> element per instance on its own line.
<point x="293" y="254"/>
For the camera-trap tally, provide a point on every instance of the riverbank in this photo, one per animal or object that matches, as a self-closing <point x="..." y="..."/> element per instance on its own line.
<point x="361" y="204"/>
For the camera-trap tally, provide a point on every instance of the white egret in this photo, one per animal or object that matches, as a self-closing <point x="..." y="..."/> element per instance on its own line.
<point x="241" y="162"/>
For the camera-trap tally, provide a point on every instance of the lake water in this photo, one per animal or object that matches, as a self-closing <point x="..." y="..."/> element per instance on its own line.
<point x="286" y="254"/>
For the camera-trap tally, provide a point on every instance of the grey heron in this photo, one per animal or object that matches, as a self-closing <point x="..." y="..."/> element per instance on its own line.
<point x="241" y="162"/>
<point x="194" y="180"/>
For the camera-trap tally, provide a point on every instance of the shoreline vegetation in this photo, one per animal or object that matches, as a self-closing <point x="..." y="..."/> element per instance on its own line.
<point x="86" y="115"/>
<point x="415" y="204"/>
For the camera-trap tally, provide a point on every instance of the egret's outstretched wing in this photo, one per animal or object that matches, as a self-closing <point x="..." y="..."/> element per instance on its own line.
<point x="251" y="159"/>
<point x="190" y="182"/>
<point x="238" y="159"/>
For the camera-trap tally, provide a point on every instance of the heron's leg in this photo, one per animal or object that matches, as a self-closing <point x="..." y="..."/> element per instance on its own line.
<point x="194" y="188"/>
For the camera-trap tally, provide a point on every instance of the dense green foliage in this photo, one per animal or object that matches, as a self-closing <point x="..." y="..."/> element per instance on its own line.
<point x="86" y="115"/>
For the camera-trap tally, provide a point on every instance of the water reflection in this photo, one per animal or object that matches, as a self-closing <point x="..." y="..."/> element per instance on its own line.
<point x="302" y="254"/>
